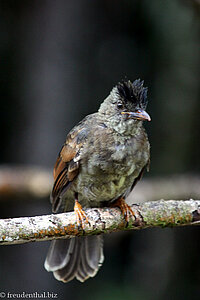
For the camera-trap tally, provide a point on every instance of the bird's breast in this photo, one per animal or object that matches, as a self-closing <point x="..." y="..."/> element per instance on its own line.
<point x="109" y="172"/>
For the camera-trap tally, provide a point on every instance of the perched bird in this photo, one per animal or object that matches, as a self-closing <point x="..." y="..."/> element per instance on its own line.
<point x="99" y="164"/>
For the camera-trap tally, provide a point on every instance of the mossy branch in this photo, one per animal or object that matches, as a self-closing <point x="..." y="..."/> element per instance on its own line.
<point x="48" y="227"/>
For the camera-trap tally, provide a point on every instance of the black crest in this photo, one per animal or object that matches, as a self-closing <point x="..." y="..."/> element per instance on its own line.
<point x="133" y="92"/>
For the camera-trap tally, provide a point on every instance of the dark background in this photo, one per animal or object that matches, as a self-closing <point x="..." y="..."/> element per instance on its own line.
<point x="58" y="61"/>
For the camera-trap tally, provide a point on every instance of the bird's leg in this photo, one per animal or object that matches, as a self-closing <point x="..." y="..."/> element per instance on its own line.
<point x="81" y="217"/>
<point x="124" y="207"/>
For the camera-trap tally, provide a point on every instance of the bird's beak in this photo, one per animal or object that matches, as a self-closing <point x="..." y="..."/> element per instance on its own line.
<point x="138" y="115"/>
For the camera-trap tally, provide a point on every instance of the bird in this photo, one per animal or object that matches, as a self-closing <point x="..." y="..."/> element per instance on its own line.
<point x="102" y="159"/>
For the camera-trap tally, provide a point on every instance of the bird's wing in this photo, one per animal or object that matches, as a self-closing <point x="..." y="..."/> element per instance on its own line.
<point x="140" y="175"/>
<point x="67" y="164"/>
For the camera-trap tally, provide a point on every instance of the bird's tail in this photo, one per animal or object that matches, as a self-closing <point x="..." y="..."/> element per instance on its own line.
<point x="79" y="257"/>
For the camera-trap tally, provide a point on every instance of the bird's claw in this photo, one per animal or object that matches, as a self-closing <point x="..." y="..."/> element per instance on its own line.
<point x="81" y="217"/>
<point x="125" y="209"/>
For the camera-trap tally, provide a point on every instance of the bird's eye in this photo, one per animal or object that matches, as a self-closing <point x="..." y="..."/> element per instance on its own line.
<point x="119" y="105"/>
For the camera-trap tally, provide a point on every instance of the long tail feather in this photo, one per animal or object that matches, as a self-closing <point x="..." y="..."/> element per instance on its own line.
<point x="79" y="258"/>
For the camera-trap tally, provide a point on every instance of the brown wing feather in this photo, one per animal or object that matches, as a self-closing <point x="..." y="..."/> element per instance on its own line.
<point x="60" y="186"/>
<point x="66" y="168"/>
<point x="59" y="165"/>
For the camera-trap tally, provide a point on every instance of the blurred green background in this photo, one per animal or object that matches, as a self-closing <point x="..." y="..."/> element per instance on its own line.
<point x="58" y="61"/>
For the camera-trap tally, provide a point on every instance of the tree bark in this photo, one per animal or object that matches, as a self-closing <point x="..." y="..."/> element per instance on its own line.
<point x="105" y="220"/>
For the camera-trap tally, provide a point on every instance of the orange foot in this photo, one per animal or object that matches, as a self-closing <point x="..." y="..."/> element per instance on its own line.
<point x="81" y="217"/>
<point x="125" y="208"/>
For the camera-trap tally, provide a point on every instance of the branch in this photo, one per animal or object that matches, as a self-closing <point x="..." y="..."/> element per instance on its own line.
<point x="150" y="214"/>
<point x="31" y="181"/>
<point x="22" y="181"/>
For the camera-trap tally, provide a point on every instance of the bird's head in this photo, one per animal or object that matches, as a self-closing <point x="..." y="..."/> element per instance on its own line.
<point x="126" y="104"/>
